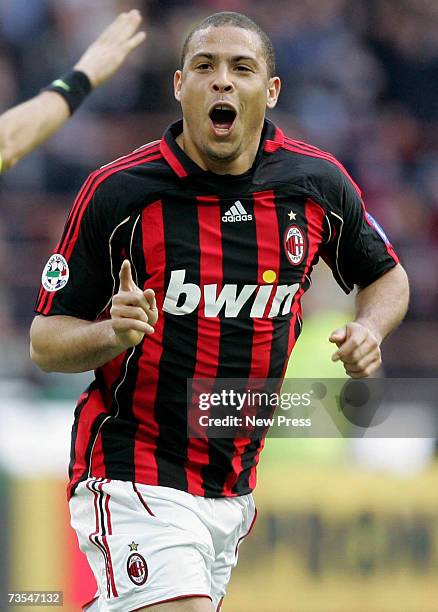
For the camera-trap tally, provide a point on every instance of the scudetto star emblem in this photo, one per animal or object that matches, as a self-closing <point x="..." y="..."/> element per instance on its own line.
<point x="292" y="215"/>
<point x="133" y="546"/>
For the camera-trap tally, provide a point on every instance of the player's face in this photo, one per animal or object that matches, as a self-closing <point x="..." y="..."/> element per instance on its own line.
<point x="224" y="90"/>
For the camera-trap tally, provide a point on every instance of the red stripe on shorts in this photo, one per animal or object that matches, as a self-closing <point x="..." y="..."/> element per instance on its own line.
<point x="95" y="533"/>
<point x="142" y="501"/>
<point x="104" y="538"/>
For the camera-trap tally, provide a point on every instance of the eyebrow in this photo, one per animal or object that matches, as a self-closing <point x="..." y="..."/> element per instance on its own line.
<point x="234" y="58"/>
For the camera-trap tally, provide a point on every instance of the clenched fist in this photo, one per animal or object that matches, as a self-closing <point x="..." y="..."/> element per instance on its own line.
<point x="358" y="349"/>
<point x="133" y="312"/>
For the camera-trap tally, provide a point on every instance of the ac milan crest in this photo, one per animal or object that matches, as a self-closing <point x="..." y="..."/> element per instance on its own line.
<point x="137" y="569"/>
<point x="295" y="244"/>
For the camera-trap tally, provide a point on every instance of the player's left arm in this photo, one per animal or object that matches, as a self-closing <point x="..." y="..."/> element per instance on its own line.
<point x="380" y="308"/>
<point x="361" y="255"/>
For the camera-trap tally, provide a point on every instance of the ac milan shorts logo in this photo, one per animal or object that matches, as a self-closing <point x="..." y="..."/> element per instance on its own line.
<point x="137" y="569"/>
<point x="294" y="244"/>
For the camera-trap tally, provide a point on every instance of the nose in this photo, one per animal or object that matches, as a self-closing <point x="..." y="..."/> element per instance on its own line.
<point x="222" y="82"/>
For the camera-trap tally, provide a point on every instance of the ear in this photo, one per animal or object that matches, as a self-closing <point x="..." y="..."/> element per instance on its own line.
<point x="177" y="80"/>
<point x="274" y="86"/>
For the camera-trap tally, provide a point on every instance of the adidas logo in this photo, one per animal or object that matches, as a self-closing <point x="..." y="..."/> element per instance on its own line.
<point x="236" y="213"/>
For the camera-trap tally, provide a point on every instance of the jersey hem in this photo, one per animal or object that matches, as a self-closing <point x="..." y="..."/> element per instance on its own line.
<point x="71" y="489"/>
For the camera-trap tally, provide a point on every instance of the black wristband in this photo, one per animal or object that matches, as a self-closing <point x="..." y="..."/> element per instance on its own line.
<point x="74" y="87"/>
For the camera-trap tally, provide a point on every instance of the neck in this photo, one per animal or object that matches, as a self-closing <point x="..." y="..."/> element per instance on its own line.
<point x="239" y="165"/>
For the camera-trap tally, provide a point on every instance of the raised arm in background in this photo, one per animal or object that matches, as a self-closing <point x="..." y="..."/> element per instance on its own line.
<point x="27" y="125"/>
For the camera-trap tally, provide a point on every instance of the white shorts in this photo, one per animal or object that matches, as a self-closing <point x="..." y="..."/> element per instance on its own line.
<point x="149" y="545"/>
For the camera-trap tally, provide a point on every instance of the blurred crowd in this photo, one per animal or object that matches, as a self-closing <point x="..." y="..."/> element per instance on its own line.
<point x="360" y="79"/>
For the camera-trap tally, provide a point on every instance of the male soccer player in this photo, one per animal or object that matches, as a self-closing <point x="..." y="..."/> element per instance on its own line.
<point x="27" y="125"/>
<point x="188" y="259"/>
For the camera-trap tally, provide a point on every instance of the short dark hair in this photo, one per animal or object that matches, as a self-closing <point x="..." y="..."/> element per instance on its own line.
<point x="239" y="21"/>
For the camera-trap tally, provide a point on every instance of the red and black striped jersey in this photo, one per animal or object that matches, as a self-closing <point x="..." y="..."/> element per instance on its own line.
<point x="229" y="258"/>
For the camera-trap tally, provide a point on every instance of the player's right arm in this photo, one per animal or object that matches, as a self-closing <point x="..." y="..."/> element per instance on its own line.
<point x="62" y="343"/>
<point x="27" y="125"/>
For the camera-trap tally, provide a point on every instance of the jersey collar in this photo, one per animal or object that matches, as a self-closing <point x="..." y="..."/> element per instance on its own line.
<point x="272" y="139"/>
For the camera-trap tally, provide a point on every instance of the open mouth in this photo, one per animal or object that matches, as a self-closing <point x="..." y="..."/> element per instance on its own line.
<point x="222" y="118"/>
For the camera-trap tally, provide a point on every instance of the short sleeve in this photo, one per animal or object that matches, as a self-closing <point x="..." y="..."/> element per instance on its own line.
<point x="77" y="280"/>
<point x="357" y="249"/>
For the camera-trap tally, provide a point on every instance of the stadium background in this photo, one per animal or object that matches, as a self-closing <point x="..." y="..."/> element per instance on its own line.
<point x="343" y="525"/>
